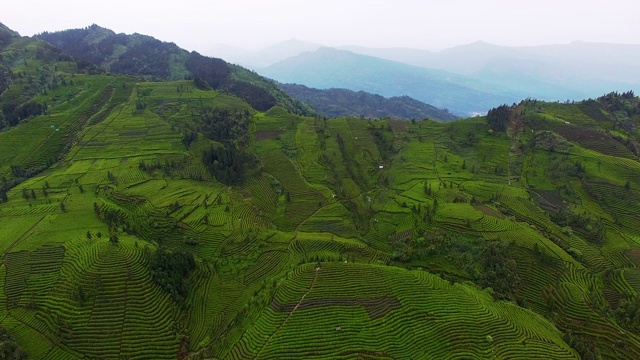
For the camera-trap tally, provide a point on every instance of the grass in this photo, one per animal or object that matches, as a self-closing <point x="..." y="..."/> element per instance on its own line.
<point x="348" y="195"/>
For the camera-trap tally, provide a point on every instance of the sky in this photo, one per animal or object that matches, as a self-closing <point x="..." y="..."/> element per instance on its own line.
<point x="423" y="24"/>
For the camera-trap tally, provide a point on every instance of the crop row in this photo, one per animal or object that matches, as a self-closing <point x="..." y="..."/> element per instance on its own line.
<point x="434" y="322"/>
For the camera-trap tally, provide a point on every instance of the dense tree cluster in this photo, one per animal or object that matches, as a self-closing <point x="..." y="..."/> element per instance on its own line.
<point x="497" y="118"/>
<point x="149" y="57"/>
<point x="9" y="349"/>
<point x="384" y="141"/>
<point x="226" y="126"/>
<point x="76" y="42"/>
<point x="258" y="97"/>
<point x="628" y="315"/>
<point x="170" y="269"/>
<point x="583" y="345"/>
<point x="13" y="113"/>
<point x="207" y="72"/>
<point x="591" y="229"/>
<point x="228" y="163"/>
<point x="499" y="271"/>
<point x="625" y="101"/>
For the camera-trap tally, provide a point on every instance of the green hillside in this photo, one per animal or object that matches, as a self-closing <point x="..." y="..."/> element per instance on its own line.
<point x="153" y="220"/>
<point x="152" y="59"/>
<point x="343" y="102"/>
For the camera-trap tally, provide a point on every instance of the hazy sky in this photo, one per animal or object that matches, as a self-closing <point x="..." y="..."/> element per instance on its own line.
<point x="427" y="24"/>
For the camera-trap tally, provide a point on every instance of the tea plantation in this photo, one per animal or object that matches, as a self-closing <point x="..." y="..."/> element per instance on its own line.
<point x="152" y="220"/>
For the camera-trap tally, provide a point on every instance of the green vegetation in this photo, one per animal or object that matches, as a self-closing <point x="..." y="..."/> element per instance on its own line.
<point x="169" y="220"/>
<point x="343" y="102"/>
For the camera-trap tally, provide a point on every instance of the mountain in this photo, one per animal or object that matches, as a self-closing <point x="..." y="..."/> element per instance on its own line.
<point x="153" y="59"/>
<point x="264" y="57"/>
<point x="343" y="102"/>
<point x="331" y="68"/>
<point x="552" y="72"/>
<point x="151" y="219"/>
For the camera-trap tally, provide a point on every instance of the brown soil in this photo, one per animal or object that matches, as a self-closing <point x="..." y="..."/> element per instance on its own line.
<point x="267" y="135"/>
<point x="490" y="212"/>
<point x="376" y="307"/>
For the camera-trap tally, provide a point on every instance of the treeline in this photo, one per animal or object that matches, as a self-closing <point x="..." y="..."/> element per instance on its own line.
<point x="215" y="74"/>
<point x="73" y="42"/>
<point x="259" y="98"/>
<point x="343" y="102"/>
<point x="625" y="101"/>
<point x="152" y="58"/>
<point x="207" y="72"/>
<point x="149" y="57"/>
<point x="144" y="55"/>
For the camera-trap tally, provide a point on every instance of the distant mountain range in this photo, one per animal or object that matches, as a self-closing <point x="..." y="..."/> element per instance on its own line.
<point x="343" y="102"/>
<point x="332" y="68"/>
<point x="500" y="73"/>
<point x="255" y="59"/>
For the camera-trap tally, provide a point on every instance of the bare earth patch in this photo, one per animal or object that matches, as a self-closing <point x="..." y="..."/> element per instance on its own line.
<point x="266" y="135"/>
<point x="376" y="307"/>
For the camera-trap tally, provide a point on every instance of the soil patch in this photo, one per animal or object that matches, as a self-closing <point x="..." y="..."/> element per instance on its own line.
<point x="549" y="200"/>
<point x="399" y="126"/>
<point x="489" y="211"/>
<point x="376" y="307"/>
<point x="266" y="135"/>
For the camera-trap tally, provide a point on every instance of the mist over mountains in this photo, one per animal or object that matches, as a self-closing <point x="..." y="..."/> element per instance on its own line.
<point x="490" y="74"/>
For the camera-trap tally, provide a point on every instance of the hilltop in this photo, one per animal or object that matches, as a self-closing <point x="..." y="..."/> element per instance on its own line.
<point x="343" y="102"/>
<point x="162" y="219"/>
<point x="153" y="59"/>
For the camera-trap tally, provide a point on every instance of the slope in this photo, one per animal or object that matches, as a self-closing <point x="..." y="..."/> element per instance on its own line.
<point x="153" y="59"/>
<point x="181" y="223"/>
<point x="342" y="102"/>
<point x="331" y="68"/>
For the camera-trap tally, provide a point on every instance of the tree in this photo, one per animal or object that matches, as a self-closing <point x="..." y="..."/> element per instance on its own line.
<point x="498" y="117"/>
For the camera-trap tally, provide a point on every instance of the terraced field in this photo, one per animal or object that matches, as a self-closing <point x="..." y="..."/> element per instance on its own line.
<point x="334" y="238"/>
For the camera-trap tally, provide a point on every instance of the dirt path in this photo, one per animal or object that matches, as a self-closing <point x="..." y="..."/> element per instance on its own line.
<point x="313" y="282"/>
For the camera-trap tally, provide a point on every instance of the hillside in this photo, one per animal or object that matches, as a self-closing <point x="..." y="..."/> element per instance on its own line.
<point x="343" y="102"/>
<point x="145" y="56"/>
<point x="330" y="68"/>
<point x="154" y="219"/>
<point x="574" y="71"/>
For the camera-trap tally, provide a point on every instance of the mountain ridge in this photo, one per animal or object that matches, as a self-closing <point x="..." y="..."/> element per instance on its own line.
<point x="143" y="55"/>
<point x="332" y="68"/>
<point x="342" y="102"/>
